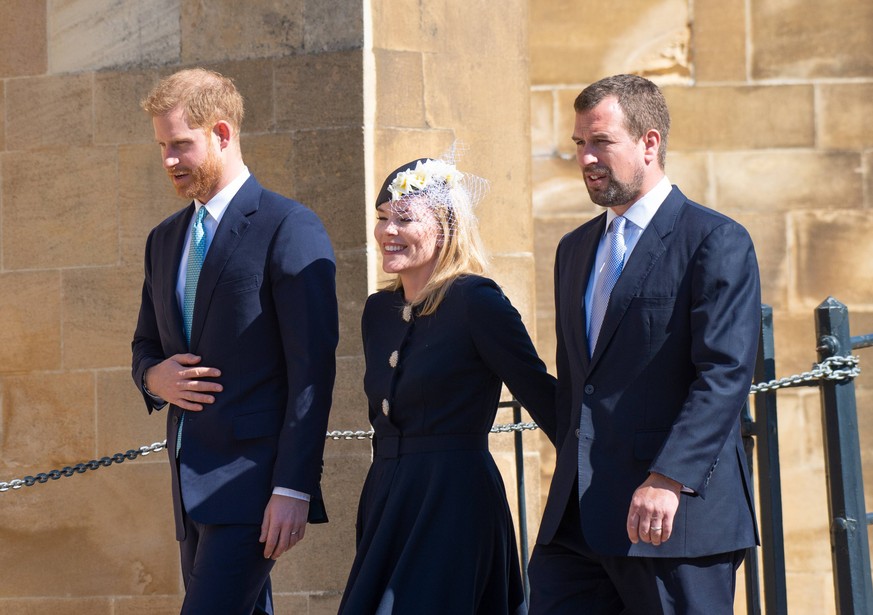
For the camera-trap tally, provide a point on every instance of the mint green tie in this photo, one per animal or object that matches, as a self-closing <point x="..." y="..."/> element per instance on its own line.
<point x="196" y="254"/>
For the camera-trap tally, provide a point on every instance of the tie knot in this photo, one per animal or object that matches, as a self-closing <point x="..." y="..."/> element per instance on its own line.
<point x="201" y="213"/>
<point x="618" y="225"/>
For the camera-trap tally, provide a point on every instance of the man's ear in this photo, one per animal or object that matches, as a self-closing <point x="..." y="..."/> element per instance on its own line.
<point x="652" y="143"/>
<point x="224" y="132"/>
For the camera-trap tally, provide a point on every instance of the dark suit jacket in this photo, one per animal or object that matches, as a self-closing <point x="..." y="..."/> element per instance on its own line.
<point x="266" y="316"/>
<point x="664" y="388"/>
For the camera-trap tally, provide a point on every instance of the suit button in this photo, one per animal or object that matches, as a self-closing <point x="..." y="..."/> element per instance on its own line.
<point x="589" y="389"/>
<point x="577" y="433"/>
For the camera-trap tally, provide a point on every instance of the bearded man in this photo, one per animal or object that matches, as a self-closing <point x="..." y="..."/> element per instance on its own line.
<point x="658" y="311"/>
<point x="236" y="338"/>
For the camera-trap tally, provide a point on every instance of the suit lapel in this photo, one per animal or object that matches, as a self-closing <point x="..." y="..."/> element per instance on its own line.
<point x="175" y="245"/>
<point x="647" y="252"/>
<point x="227" y="237"/>
<point x="584" y="253"/>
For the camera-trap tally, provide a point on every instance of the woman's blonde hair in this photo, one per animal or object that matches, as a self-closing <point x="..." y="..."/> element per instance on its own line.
<point x="461" y="251"/>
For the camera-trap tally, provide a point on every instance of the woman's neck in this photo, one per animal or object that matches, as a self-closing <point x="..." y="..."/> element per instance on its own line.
<point x="414" y="282"/>
<point x="411" y="289"/>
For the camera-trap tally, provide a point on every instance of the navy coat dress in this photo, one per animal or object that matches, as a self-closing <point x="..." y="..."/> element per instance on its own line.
<point x="434" y="531"/>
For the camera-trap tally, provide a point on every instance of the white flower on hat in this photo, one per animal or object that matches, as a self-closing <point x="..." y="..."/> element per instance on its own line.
<point x="425" y="175"/>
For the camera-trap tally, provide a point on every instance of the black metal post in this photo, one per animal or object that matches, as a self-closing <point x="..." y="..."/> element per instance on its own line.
<point x="750" y="563"/>
<point x="522" y="499"/>
<point x="850" y="551"/>
<point x="769" y="472"/>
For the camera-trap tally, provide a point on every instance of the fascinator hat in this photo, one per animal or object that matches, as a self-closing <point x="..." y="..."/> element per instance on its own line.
<point x="450" y="194"/>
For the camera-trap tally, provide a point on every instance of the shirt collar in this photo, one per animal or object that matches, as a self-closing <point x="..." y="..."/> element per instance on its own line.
<point x="217" y="205"/>
<point x="642" y="212"/>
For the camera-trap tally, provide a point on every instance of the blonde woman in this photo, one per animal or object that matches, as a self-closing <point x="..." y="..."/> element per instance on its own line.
<point x="434" y="531"/>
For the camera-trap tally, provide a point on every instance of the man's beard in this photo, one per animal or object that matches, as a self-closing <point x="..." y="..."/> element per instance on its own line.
<point x="616" y="192"/>
<point x="203" y="179"/>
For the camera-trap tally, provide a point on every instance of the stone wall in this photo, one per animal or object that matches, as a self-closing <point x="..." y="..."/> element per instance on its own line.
<point x="82" y="185"/>
<point x="338" y="93"/>
<point x="770" y="105"/>
<point x="440" y="79"/>
<point x="769" y="102"/>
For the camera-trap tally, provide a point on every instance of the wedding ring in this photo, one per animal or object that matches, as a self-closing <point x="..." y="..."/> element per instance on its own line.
<point x="654" y="529"/>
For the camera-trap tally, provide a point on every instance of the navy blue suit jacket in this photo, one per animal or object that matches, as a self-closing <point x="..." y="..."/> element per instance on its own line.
<point x="665" y="385"/>
<point x="266" y="315"/>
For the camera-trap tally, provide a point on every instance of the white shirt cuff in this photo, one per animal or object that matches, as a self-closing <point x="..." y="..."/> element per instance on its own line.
<point x="291" y="493"/>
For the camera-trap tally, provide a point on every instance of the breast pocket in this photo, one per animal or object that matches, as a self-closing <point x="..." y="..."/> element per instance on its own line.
<point x="238" y="285"/>
<point x="653" y="303"/>
<point x="652" y="316"/>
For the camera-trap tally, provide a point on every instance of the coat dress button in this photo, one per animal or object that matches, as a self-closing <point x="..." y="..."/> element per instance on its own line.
<point x="577" y="433"/>
<point x="589" y="389"/>
<point x="385" y="407"/>
<point x="393" y="359"/>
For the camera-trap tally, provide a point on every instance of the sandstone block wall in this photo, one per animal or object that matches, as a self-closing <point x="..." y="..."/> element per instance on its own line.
<point x="770" y="106"/>
<point x="338" y="93"/>
<point x="80" y="187"/>
<point x="440" y="76"/>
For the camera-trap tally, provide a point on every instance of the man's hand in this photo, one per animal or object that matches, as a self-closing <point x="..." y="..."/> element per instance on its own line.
<point x="653" y="509"/>
<point x="284" y="524"/>
<point x="177" y="381"/>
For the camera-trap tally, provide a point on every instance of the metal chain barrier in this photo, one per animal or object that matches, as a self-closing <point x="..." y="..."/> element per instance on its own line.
<point x="80" y="468"/>
<point x="350" y="435"/>
<point x="832" y="368"/>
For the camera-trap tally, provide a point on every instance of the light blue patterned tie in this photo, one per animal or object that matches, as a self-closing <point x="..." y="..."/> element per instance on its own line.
<point x="608" y="278"/>
<point x="196" y="254"/>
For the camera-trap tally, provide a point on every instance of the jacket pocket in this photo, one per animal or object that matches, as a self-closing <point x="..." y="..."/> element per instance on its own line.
<point x="653" y="303"/>
<point x="239" y="285"/>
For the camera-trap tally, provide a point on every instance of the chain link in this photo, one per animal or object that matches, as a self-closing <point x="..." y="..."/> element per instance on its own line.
<point x="368" y="435"/>
<point x="510" y="427"/>
<point x="832" y="368"/>
<point x="81" y="468"/>
<point x="350" y="435"/>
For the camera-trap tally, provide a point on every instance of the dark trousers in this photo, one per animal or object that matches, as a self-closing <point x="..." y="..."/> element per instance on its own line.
<point x="568" y="578"/>
<point x="224" y="570"/>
